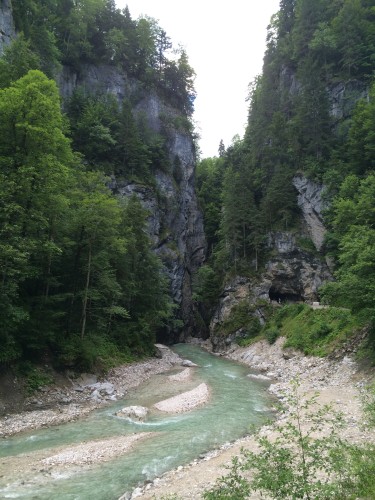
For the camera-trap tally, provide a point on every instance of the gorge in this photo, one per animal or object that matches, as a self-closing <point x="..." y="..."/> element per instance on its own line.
<point x="115" y="235"/>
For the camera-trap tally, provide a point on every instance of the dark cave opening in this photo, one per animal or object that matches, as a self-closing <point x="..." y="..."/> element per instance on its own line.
<point x="281" y="297"/>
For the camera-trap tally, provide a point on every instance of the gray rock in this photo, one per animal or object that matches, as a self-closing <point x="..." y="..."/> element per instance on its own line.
<point x="312" y="205"/>
<point x="134" y="412"/>
<point x="126" y="496"/>
<point x="290" y="275"/>
<point x="7" y="31"/>
<point x="175" y="223"/>
<point x="86" y="379"/>
<point x="104" y="388"/>
<point x="259" y="376"/>
<point x="187" y="362"/>
<point x="136" y="493"/>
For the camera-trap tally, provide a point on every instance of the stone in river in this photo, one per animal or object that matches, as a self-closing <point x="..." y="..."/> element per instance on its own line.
<point x="135" y="412"/>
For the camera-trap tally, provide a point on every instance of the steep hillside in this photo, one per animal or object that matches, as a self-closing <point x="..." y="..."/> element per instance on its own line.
<point x="290" y="207"/>
<point x="100" y="224"/>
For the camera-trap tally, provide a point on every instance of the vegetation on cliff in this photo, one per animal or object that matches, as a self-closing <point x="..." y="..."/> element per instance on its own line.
<point x="80" y="284"/>
<point x="311" y="111"/>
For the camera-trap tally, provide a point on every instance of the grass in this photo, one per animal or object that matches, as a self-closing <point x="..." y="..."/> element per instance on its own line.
<point x="314" y="332"/>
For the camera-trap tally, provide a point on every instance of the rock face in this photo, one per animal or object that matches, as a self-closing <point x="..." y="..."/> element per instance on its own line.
<point x="175" y="222"/>
<point x="312" y="205"/>
<point x="7" y="31"/>
<point x="290" y="275"/>
<point x="343" y="97"/>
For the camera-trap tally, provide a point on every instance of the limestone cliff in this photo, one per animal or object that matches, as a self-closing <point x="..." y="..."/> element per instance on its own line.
<point x="312" y="205"/>
<point x="291" y="274"/>
<point x="6" y="24"/>
<point x="175" y="221"/>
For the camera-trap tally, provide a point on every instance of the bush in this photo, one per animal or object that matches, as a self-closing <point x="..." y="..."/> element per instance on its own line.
<point x="302" y="462"/>
<point x="271" y="334"/>
<point x="94" y="352"/>
<point x="238" y="318"/>
<point x="35" y="377"/>
<point x="315" y="332"/>
<point x="295" y="464"/>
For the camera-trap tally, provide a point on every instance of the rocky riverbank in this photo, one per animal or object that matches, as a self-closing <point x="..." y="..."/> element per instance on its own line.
<point x="338" y="381"/>
<point x="76" y="398"/>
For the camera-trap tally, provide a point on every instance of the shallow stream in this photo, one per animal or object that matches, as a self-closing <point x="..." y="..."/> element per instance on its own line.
<point x="237" y="404"/>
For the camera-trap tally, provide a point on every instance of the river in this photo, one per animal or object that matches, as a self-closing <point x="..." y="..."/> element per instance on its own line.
<point x="237" y="404"/>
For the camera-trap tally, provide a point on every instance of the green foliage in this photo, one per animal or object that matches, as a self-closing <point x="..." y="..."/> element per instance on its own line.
<point x="35" y="377"/>
<point x="17" y="60"/>
<point x="241" y="318"/>
<point x="96" y="352"/>
<point x="352" y="220"/>
<point x="306" y="244"/>
<point x="271" y="334"/>
<point x="315" y="332"/>
<point x="302" y="461"/>
<point x="206" y="285"/>
<point x="209" y="179"/>
<point x="79" y="277"/>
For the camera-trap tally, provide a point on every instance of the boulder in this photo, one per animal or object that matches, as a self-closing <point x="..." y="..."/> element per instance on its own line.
<point x="135" y="412"/>
<point x="104" y="388"/>
<point x="187" y="362"/>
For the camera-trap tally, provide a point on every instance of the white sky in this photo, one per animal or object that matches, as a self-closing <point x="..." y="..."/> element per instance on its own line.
<point x="225" y="43"/>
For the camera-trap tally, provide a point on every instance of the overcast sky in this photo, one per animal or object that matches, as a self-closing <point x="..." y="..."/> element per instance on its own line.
<point x="225" y="43"/>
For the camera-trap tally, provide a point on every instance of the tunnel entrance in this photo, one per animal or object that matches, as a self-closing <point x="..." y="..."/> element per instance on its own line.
<point x="280" y="296"/>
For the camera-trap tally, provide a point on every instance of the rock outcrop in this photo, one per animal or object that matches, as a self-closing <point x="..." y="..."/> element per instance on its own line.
<point x="312" y="205"/>
<point x="291" y="274"/>
<point x="343" y="96"/>
<point x="175" y="221"/>
<point x="7" y="32"/>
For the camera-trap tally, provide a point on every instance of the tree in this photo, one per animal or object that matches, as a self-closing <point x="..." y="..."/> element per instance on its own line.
<point x="17" y="60"/>
<point x="96" y="243"/>
<point x="360" y="144"/>
<point x="353" y="225"/>
<point x="221" y="149"/>
<point x="354" y="31"/>
<point x="35" y="157"/>
<point x="145" y="290"/>
<point x="163" y="44"/>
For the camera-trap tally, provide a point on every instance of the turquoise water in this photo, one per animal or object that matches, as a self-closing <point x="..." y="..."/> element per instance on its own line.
<point x="237" y="403"/>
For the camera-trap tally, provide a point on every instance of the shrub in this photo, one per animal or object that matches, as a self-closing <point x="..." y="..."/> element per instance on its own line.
<point x="35" y="377"/>
<point x="295" y="464"/>
<point x="271" y="334"/>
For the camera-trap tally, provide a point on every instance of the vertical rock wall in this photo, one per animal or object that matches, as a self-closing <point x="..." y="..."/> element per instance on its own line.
<point x="7" y="31"/>
<point x="175" y="221"/>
